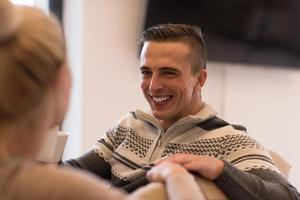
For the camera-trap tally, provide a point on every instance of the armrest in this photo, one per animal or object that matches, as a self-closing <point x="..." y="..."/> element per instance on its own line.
<point x="210" y="190"/>
<point x="283" y="166"/>
<point x="157" y="191"/>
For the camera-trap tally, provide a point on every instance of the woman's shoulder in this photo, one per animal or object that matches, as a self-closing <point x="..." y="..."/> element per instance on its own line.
<point x="31" y="180"/>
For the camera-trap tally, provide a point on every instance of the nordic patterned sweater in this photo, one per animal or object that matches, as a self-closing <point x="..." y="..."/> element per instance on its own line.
<point x="138" y="139"/>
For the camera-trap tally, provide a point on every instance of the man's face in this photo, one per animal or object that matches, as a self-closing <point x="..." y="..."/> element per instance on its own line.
<point x="167" y="81"/>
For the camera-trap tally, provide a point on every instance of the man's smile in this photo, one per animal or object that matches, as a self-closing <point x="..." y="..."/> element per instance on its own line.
<point x="161" y="99"/>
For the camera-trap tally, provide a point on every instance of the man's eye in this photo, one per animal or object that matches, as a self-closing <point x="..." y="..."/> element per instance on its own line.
<point x="170" y="73"/>
<point x="145" y="73"/>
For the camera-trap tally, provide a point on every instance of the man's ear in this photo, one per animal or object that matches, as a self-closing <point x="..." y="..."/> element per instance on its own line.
<point x="201" y="78"/>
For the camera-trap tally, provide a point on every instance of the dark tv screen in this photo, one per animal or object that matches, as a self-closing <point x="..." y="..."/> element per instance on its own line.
<point x="263" y="32"/>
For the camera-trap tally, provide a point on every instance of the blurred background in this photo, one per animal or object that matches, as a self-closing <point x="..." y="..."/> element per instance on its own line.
<point x="254" y="64"/>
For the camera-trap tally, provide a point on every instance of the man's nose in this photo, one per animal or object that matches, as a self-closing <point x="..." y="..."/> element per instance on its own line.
<point x="155" y="83"/>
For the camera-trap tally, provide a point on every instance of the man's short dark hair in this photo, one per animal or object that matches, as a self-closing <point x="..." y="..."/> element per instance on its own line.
<point x="190" y="35"/>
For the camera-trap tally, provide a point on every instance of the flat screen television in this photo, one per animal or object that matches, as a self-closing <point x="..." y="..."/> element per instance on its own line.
<point x="264" y="32"/>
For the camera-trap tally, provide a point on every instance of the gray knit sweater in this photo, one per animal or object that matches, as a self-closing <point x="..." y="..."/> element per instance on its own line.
<point x="123" y="154"/>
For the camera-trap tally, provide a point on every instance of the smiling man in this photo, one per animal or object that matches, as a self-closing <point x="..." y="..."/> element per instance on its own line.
<point x="170" y="83"/>
<point x="173" y="72"/>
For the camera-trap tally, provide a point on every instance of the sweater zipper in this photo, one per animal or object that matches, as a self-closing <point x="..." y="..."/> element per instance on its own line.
<point x="159" y="141"/>
<point x="158" y="144"/>
<point x="151" y="120"/>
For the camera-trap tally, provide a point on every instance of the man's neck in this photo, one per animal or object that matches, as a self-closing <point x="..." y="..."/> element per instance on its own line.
<point x="167" y="123"/>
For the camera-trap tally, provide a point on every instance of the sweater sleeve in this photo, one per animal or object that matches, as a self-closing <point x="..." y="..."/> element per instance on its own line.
<point x="91" y="162"/>
<point x="254" y="184"/>
<point x="98" y="159"/>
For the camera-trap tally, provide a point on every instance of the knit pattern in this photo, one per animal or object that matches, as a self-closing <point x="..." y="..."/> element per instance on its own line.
<point x="129" y="139"/>
<point x="216" y="147"/>
<point x="134" y="143"/>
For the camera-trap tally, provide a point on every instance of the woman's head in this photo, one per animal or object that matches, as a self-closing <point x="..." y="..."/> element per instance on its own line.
<point x="34" y="78"/>
<point x="32" y="59"/>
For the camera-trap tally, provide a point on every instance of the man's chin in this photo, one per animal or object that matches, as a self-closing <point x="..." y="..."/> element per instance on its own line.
<point x="160" y="115"/>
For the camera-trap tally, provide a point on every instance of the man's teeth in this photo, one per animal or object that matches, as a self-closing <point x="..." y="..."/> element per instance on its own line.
<point x="161" y="99"/>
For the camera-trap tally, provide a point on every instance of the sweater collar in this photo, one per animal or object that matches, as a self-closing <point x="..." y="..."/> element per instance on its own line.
<point x="205" y="113"/>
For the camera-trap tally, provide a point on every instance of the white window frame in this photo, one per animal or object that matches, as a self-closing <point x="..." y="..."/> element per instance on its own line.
<point x="43" y="4"/>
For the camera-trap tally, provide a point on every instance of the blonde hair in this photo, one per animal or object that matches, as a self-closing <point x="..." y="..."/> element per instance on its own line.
<point x="32" y="50"/>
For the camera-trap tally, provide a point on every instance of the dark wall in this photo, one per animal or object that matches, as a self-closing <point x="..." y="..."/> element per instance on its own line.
<point x="56" y="7"/>
<point x="248" y="31"/>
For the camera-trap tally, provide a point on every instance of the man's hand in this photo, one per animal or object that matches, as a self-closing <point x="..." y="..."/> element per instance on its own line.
<point x="207" y="167"/>
<point x="165" y="170"/>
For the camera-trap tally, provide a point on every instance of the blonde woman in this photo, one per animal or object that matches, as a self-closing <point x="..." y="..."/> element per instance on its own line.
<point x="34" y="92"/>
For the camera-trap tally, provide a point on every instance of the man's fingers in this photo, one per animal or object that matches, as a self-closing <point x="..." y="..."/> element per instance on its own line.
<point x="175" y="158"/>
<point x="161" y="160"/>
<point x="209" y="168"/>
<point x="183" y="158"/>
<point x="154" y="175"/>
<point x="164" y="171"/>
<point x="193" y="166"/>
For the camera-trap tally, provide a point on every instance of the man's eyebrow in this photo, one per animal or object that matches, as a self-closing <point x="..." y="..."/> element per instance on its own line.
<point x="172" y="69"/>
<point x="144" y="68"/>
